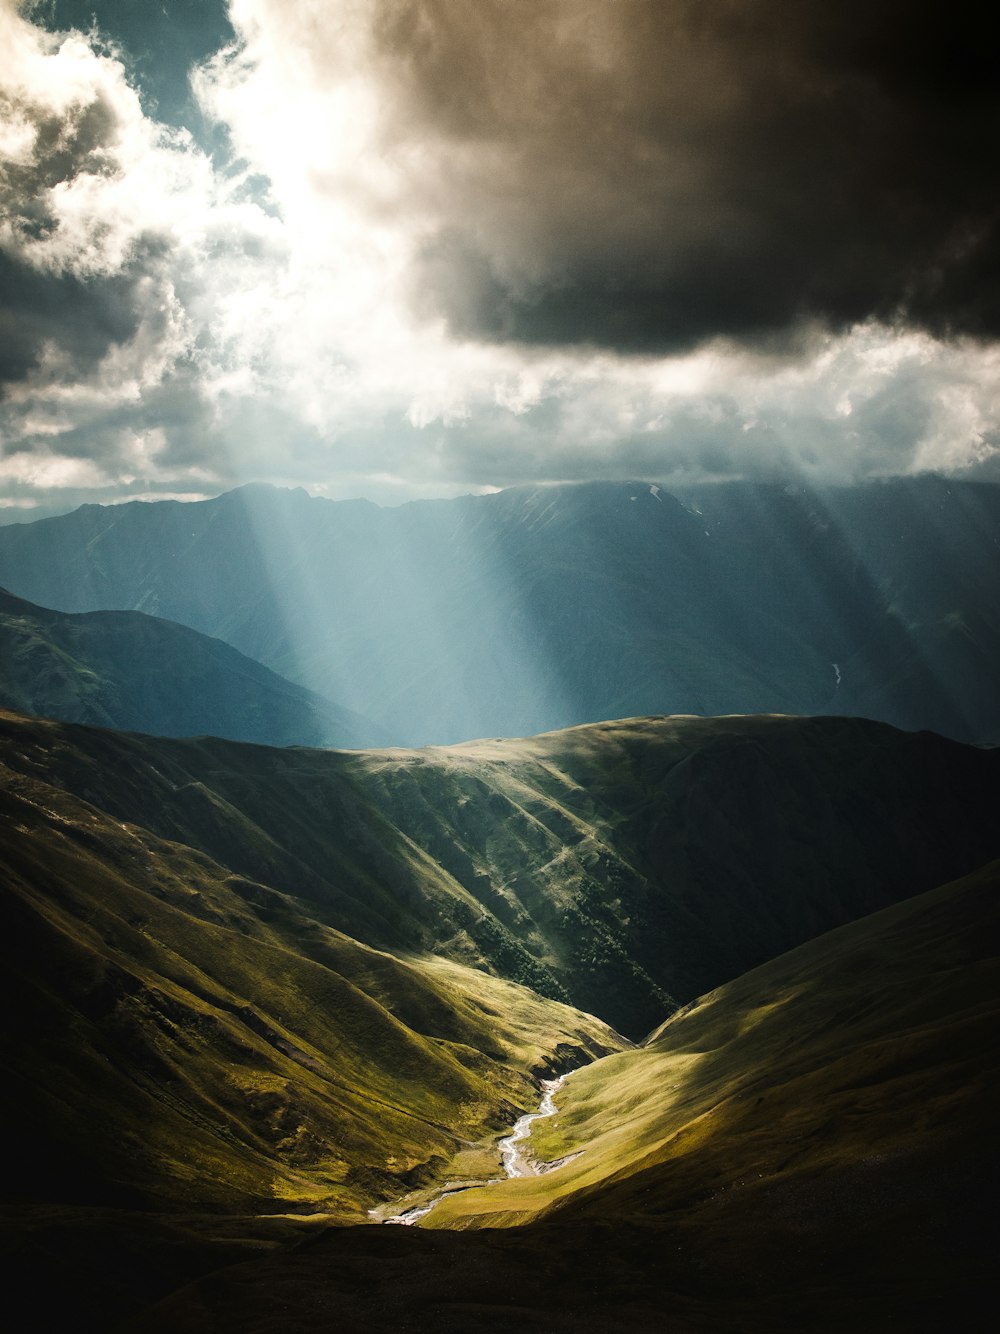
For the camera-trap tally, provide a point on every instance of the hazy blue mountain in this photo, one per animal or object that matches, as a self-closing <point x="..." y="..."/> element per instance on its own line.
<point x="140" y="673"/>
<point x="538" y="608"/>
<point x="925" y="551"/>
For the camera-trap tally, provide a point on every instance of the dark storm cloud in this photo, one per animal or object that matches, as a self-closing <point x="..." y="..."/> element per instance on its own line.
<point x="645" y="174"/>
<point x="76" y="276"/>
<point x="82" y="317"/>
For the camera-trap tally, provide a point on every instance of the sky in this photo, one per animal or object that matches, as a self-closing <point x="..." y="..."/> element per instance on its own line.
<point x="406" y="248"/>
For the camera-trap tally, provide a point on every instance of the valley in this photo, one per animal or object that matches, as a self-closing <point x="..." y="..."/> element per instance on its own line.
<point x="266" y="996"/>
<point x="809" y="1147"/>
<point x="499" y="667"/>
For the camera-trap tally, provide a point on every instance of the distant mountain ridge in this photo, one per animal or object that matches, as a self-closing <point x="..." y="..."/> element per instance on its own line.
<point x="139" y="673"/>
<point x="542" y="607"/>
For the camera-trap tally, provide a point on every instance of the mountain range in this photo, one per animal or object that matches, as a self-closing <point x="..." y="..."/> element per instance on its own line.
<point x="539" y="608"/>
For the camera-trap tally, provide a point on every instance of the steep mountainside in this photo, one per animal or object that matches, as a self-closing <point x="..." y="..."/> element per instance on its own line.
<point x="140" y="673"/>
<point x="811" y="1147"/>
<point x="929" y="549"/>
<point x="538" y="608"/>
<point x="621" y="866"/>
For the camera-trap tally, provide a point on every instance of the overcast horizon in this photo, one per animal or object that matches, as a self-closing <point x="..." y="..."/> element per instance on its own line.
<point x="400" y="251"/>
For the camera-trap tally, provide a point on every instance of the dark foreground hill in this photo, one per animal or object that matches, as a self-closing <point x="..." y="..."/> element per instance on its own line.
<point x="811" y="1148"/>
<point x="139" y="673"/>
<point x="539" y="608"/>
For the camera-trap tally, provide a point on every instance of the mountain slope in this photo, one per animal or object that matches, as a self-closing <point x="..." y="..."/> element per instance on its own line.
<point x="811" y="1147"/>
<point x="930" y="551"/>
<point x="685" y="850"/>
<point x="538" y="608"/>
<point x="139" y="673"/>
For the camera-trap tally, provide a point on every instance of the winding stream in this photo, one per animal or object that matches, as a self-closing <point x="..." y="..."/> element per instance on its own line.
<point x="515" y="1164"/>
<point x="515" y="1161"/>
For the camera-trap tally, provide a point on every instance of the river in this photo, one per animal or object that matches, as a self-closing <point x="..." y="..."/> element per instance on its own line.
<point x="515" y="1161"/>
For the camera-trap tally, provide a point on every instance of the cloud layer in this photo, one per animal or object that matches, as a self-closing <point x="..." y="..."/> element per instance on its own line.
<point x="464" y="243"/>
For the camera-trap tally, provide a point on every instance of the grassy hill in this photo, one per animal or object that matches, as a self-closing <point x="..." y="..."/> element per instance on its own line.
<point x="804" y="1075"/>
<point x="647" y="860"/>
<point x="228" y="1047"/>
<point x="198" y="1067"/>
<point x="139" y="673"/>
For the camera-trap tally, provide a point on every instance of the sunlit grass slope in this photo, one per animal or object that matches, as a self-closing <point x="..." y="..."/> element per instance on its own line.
<point x="644" y="861"/>
<point x="267" y="986"/>
<point x="865" y="1056"/>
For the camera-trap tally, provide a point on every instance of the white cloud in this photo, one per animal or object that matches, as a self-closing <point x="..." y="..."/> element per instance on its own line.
<point x="47" y="473"/>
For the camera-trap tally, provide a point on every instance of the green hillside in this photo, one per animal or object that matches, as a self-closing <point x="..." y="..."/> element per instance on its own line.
<point x="875" y="1042"/>
<point x="197" y="1066"/>
<point x="229" y="1048"/>
<point x="625" y="867"/>
<point x="649" y="859"/>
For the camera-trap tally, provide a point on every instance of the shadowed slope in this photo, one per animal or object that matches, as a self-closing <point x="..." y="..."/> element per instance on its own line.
<point x="870" y="1045"/>
<point x="647" y="860"/>
<point x="228" y="1049"/>
<point x="197" y="1068"/>
<point x="195" y="1030"/>
<point x="137" y="672"/>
